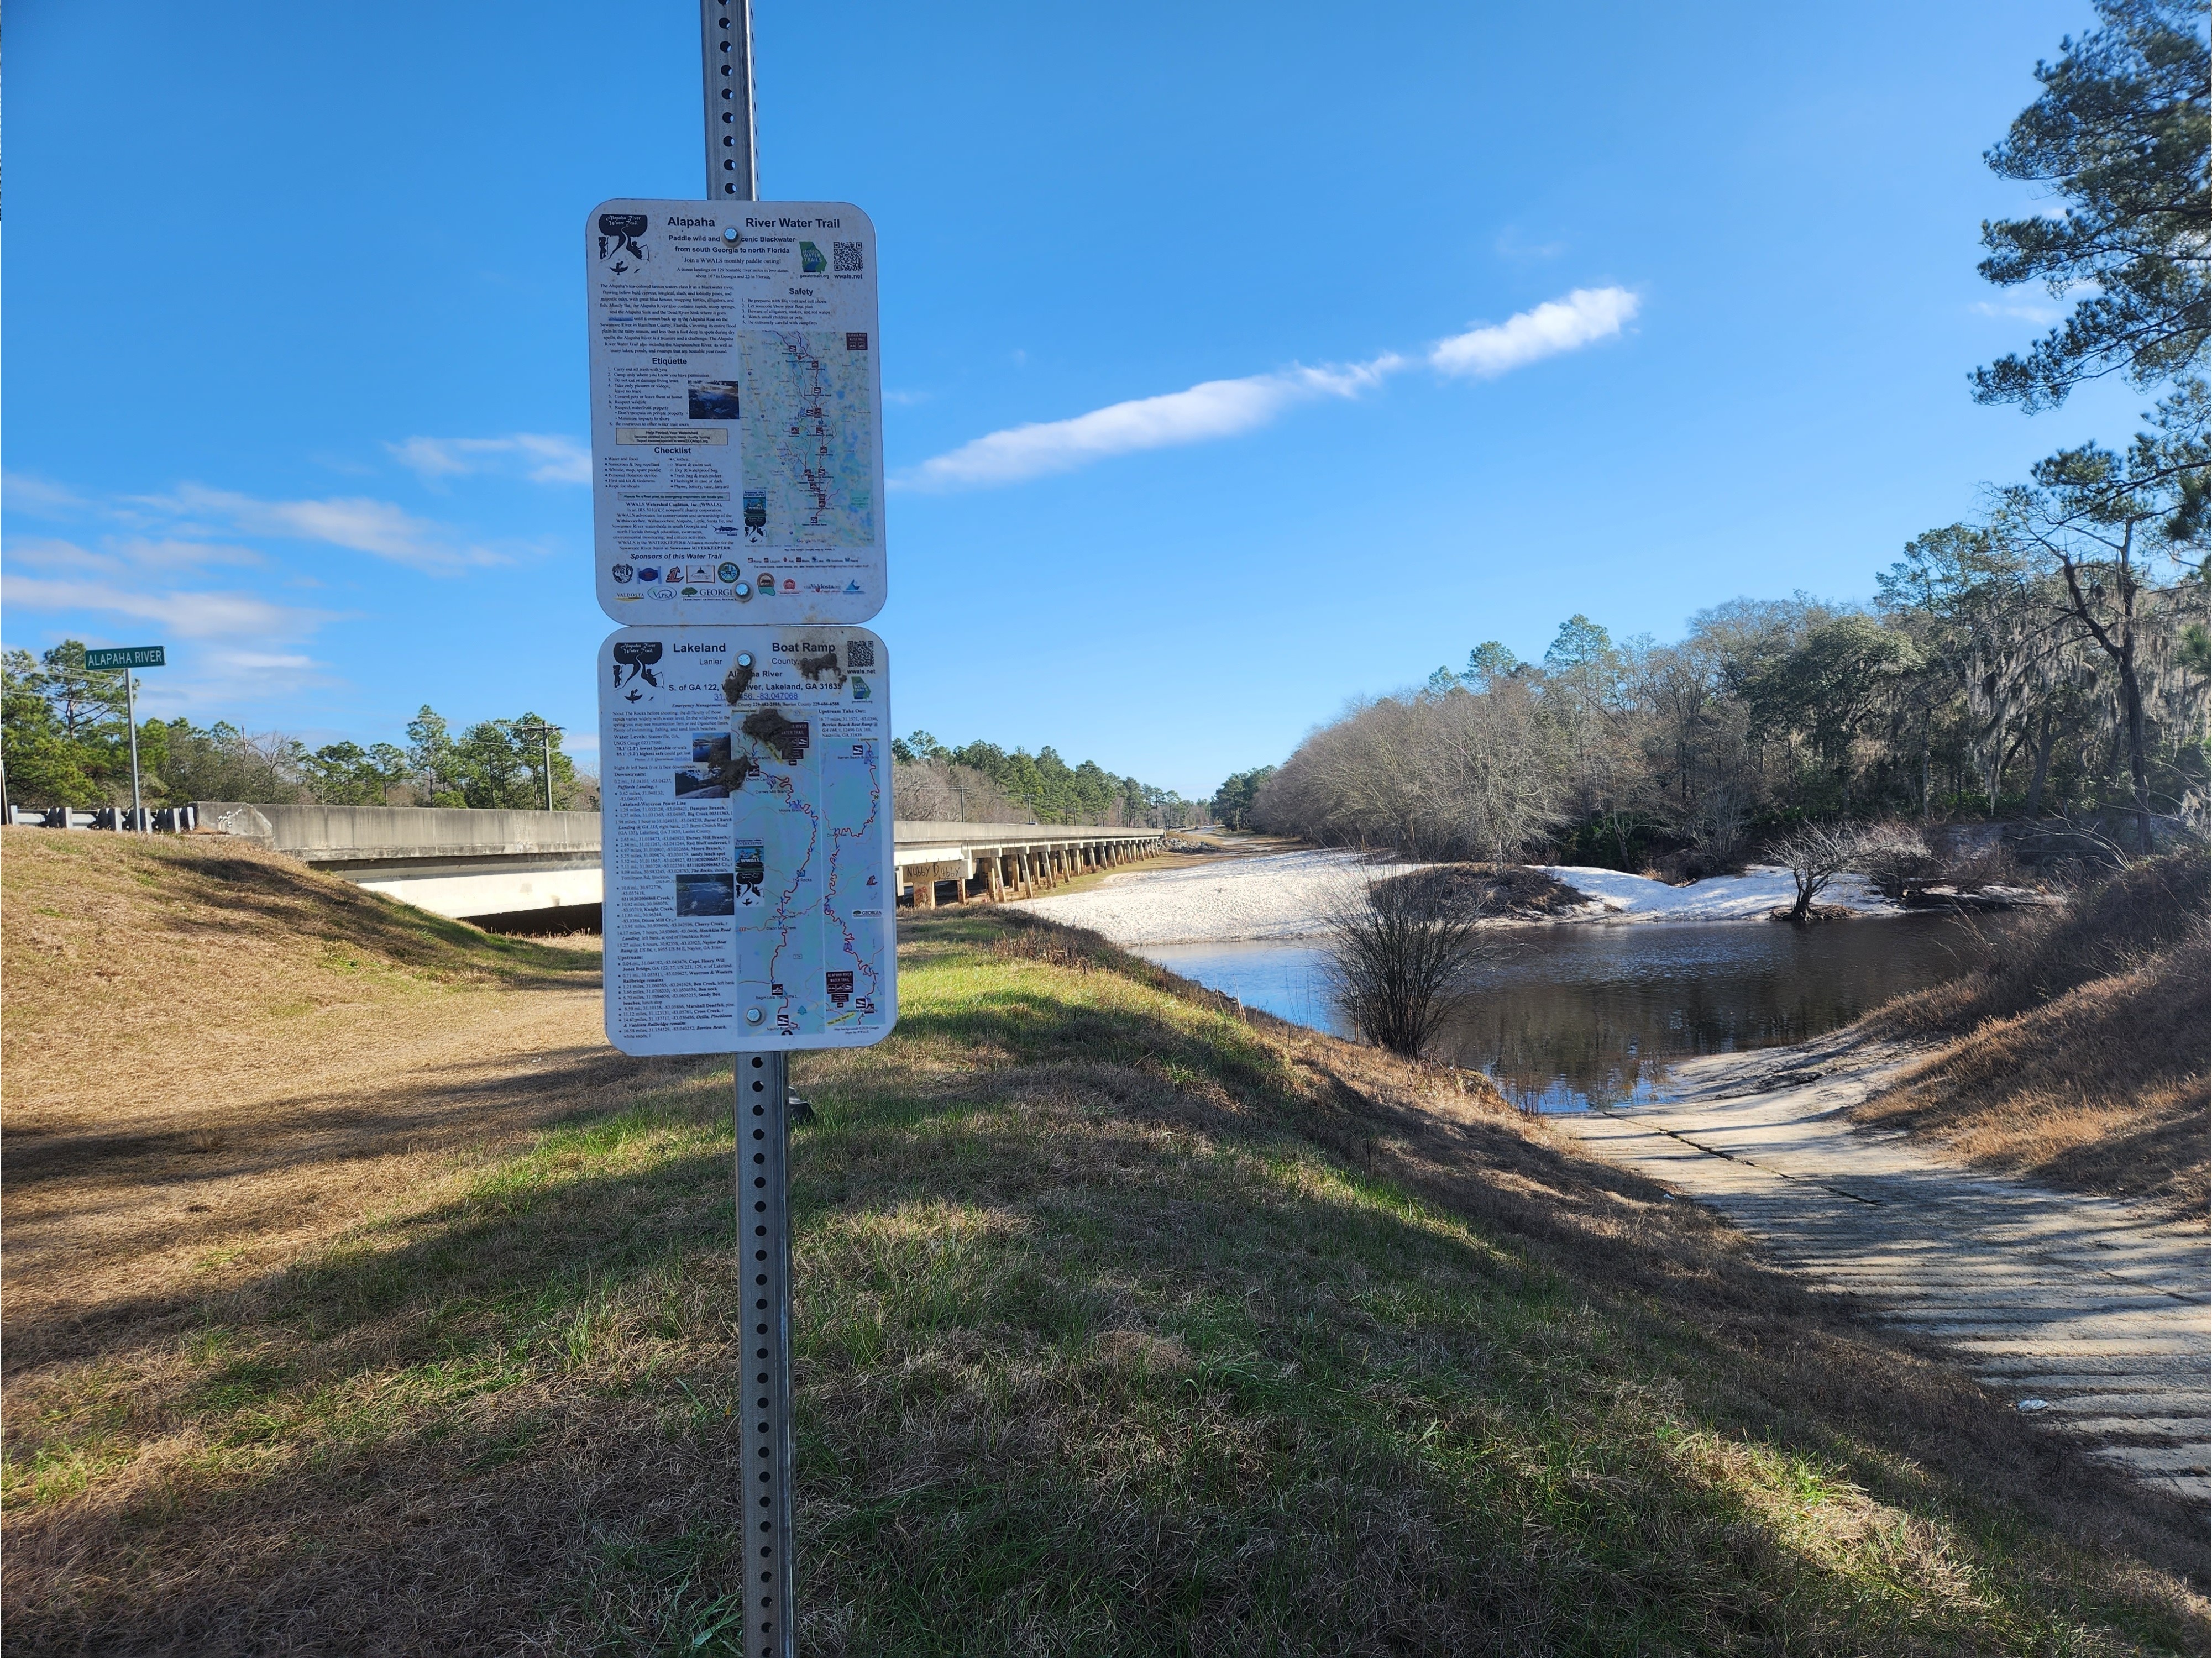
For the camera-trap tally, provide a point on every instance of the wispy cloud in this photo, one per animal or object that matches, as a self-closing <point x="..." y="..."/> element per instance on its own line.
<point x="1584" y="317"/>
<point x="1221" y="408"/>
<point x="2021" y="310"/>
<point x="1212" y="408"/>
<point x="187" y="615"/>
<point x="354" y="522"/>
<point x="1509" y="244"/>
<point x="542" y="457"/>
<point x="26" y="492"/>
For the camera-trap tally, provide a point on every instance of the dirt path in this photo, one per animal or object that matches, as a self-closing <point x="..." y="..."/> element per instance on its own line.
<point x="2083" y="1310"/>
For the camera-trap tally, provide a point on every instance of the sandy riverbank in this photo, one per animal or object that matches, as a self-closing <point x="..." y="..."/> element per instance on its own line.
<point x="1285" y="896"/>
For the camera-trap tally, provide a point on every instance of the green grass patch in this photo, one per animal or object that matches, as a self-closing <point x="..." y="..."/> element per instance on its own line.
<point x="1116" y="1333"/>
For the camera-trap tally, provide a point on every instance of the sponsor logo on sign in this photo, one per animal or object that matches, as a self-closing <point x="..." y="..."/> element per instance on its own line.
<point x="622" y="573"/>
<point x="649" y="573"/>
<point x="725" y="572"/>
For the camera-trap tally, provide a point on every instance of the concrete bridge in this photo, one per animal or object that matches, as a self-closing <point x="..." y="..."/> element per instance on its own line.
<point x="540" y="870"/>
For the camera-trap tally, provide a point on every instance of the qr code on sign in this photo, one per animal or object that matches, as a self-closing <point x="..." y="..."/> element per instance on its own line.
<point x="859" y="653"/>
<point x="847" y="255"/>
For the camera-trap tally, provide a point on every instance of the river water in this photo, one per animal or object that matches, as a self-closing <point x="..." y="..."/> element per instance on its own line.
<point x="1568" y="1017"/>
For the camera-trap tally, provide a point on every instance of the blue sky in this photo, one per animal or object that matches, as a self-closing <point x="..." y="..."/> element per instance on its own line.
<point x="1501" y="313"/>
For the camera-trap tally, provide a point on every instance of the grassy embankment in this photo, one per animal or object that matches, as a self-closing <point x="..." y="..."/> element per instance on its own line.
<point x="2077" y="1056"/>
<point x="1122" y="1325"/>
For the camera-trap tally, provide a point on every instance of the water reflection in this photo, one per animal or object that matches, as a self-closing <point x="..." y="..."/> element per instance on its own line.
<point x="1569" y="1016"/>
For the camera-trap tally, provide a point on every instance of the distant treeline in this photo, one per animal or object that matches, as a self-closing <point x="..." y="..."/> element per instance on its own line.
<point x="982" y="783"/>
<point x="1962" y="692"/>
<point x="65" y="740"/>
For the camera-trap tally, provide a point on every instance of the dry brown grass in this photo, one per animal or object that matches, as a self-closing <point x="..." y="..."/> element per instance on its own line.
<point x="2078" y="1054"/>
<point x="228" y="1059"/>
<point x="1122" y="1325"/>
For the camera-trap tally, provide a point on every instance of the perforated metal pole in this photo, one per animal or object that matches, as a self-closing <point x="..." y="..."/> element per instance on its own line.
<point x="726" y="50"/>
<point x="764" y="1254"/>
<point x="763" y="1093"/>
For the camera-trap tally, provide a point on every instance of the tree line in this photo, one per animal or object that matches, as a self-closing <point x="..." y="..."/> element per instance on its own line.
<point x="65" y="740"/>
<point x="982" y="783"/>
<point x="2049" y="657"/>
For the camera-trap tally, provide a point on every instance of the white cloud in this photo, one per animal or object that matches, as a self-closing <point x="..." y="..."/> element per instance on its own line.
<point x="545" y="458"/>
<point x="1220" y="409"/>
<point x="2025" y="310"/>
<point x="24" y="492"/>
<point x="1511" y="245"/>
<point x="1585" y="316"/>
<point x="1212" y="408"/>
<point x="354" y="522"/>
<point x="139" y="554"/>
<point x="187" y="615"/>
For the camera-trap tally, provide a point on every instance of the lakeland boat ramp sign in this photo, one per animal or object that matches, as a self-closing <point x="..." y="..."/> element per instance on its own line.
<point x="747" y="786"/>
<point x="737" y="452"/>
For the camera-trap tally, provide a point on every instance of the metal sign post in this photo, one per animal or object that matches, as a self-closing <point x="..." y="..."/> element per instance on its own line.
<point x="726" y="61"/>
<point x="127" y="658"/>
<point x="763" y="1090"/>
<point x="745" y="718"/>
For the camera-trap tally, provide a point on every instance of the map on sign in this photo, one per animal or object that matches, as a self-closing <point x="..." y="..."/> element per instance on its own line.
<point x="737" y="452"/>
<point x="810" y="427"/>
<point x="746" y="798"/>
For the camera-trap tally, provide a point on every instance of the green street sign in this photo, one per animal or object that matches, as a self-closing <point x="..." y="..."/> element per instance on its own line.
<point x="128" y="656"/>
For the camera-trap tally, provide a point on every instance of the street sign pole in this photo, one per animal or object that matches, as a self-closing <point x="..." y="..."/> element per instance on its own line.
<point x="128" y="657"/>
<point x="131" y="713"/>
<point x="763" y="1081"/>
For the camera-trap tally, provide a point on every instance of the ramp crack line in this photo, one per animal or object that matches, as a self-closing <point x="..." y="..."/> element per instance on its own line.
<point x="1730" y="1156"/>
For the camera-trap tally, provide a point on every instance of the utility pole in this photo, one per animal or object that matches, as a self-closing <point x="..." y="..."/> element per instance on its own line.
<point x="544" y="733"/>
<point x="762" y="1128"/>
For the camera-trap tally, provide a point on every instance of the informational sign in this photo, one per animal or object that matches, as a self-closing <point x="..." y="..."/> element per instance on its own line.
<point x="128" y="656"/>
<point x="736" y="450"/>
<point x="745" y="782"/>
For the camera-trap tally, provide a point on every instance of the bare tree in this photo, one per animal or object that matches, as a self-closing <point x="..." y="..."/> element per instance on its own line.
<point x="1403" y="948"/>
<point x="944" y="792"/>
<point x="1815" y="855"/>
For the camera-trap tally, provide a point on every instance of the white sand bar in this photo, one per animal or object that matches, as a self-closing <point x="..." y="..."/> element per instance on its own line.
<point x="1285" y="896"/>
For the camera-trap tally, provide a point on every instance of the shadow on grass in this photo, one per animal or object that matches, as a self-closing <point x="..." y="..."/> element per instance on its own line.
<point x="255" y="891"/>
<point x="1092" y="1355"/>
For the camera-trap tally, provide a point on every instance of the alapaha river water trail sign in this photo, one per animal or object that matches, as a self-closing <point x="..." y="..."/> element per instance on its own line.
<point x="736" y="450"/>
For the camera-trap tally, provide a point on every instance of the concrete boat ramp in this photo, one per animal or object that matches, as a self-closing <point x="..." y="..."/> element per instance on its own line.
<point x="2091" y="1314"/>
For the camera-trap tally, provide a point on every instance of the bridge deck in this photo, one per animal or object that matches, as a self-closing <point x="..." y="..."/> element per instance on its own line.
<point x="479" y="864"/>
